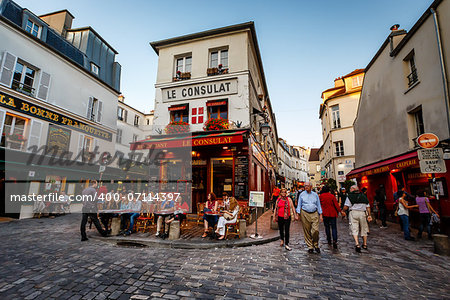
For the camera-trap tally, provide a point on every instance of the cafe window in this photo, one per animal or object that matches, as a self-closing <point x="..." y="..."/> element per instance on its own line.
<point x="221" y="175"/>
<point x="179" y="113"/>
<point x="13" y="133"/>
<point x="33" y="28"/>
<point x="217" y="109"/>
<point x="23" y="79"/>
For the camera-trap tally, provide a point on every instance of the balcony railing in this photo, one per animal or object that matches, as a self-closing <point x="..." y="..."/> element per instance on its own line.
<point x="182" y="76"/>
<point x="412" y="78"/>
<point x="23" y="88"/>
<point x="216" y="71"/>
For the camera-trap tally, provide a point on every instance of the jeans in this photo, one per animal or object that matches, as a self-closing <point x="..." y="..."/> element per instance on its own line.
<point x="383" y="213"/>
<point x="405" y="223"/>
<point x="424" y="223"/>
<point x="96" y="222"/>
<point x="133" y="216"/>
<point x="284" y="226"/>
<point x="330" y="222"/>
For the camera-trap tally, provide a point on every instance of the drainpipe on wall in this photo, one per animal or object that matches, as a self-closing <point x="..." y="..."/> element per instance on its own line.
<point x="443" y="70"/>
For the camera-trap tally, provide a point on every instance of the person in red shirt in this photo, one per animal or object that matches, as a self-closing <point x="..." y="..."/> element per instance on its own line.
<point x="283" y="214"/>
<point x="330" y="210"/>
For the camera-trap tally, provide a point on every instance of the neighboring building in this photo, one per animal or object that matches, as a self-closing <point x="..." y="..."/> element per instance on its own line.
<point x="218" y="75"/>
<point x="301" y="164"/>
<point x="405" y="94"/>
<point x="286" y="173"/>
<point x="132" y="125"/>
<point x="314" y="167"/>
<point x="50" y="95"/>
<point x="337" y="114"/>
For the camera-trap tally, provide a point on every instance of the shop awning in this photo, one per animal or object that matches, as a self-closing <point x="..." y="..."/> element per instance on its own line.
<point x="220" y="138"/>
<point x="399" y="162"/>
<point x="177" y="107"/>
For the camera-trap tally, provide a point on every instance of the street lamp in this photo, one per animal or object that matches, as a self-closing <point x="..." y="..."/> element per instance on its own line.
<point x="264" y="128"/>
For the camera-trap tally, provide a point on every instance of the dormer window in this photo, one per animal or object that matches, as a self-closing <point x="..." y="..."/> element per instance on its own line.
<point x="95" y="69"/>
<point x="33" y="28"/>
<point x="357" y="81"/>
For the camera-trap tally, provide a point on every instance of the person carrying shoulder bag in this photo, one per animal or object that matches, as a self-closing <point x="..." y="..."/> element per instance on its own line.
<point x="283" y="213"/>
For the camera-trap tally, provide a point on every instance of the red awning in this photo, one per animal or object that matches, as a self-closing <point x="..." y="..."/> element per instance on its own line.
<point x="216" y="103"/>
<point x="178" y="107"/>
<point x="220" y="138"/>
<point x="399" y="162"/>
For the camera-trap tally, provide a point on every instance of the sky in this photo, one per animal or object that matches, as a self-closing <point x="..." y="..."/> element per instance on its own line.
<point x="304" y="45"/>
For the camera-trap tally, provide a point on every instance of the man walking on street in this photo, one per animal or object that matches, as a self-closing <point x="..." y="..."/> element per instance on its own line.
<point x="380" y="198"/>
<point x="359" y="207"/>
<point x="90" y="210"/>
<point x="310" y="213"/>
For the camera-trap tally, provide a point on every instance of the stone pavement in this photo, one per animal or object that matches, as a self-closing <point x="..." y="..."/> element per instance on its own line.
<point x="44" y="259"/>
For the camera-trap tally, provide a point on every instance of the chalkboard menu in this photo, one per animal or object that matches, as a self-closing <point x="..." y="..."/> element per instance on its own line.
<point x="241" y="177"/>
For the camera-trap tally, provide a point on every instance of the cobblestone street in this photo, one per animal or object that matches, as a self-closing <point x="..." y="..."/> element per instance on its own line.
<point x="44" y="258"/>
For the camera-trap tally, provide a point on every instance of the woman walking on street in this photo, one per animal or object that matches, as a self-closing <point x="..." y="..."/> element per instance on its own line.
<point x="330" y="209"/>
<point x="425" y="210"/>
<point x="283" y="213"/>
<point x="403" y="213"/>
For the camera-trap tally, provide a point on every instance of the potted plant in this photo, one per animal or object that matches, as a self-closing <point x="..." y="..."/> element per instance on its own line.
<point x="215" y="124"/>
<point x="175" y="127"/>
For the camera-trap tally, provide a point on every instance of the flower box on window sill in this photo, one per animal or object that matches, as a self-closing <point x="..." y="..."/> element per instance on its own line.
<point x="182" y="76"/>
<point x="216" y="71"/>
<point x="216" y="124"/>
<point x="175" y="127"/>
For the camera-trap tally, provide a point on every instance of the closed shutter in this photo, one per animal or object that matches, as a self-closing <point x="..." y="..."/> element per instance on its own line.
<point x="125" y="116"/>
<point x="34" y="137"/>
<point x="119" y="136"/>
<point x="93" y="150"/>
<point x="89" y="108"/>
<point x="44" y="85"/>
<point x="99" y="111"/>
<point x="79" y="155"/>
<point x="8" y="64"/>
<point x="2" y="120"/>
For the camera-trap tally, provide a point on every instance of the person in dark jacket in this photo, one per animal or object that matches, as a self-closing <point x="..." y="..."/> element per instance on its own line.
<point x="330" y="211"/>
<point x="90" y="210"/>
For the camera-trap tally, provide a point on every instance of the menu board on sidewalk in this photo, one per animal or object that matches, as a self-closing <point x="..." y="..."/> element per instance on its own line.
<point x="241" y="177"/>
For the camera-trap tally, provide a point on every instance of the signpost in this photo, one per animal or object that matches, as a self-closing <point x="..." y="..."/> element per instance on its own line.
<point x="256" y="200"/>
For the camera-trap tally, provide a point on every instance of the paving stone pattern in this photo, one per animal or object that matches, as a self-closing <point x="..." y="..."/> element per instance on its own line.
<point x="44" y="259"/>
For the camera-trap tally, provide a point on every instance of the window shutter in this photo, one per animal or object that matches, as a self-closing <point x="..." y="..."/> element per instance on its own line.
<point x="7" y="70"/>
<point x="44" y="85"/>
<point x="2" y="120"/>
<point x="125" y="116"/>
<point x="119" y="136"/>
<point x="34" y="136"/>
<point x="93" y="149"/>
<point x="99" y="111"/>
<point x="80" y="147"/>
<point x="89" y="108"/>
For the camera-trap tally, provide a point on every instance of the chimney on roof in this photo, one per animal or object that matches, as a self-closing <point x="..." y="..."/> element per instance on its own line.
<point x="61" y="21"/>
<point x="338" y="82"/>
<point x="396" y="36"/>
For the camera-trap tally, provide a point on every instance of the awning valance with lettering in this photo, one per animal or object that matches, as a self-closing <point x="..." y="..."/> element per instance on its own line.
<point x="216" y="103"/>
<point x="399" y="162"/>
<point x="221" y="138"/>
<point x="177" y="107"/>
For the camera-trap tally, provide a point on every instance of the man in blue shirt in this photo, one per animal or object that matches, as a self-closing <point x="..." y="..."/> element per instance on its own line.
<point x="310" y="213"/>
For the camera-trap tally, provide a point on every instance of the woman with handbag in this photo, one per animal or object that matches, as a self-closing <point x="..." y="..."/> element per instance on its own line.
<point x="425" y="210"/>
<point x="403" y="213"/>
<point x="229" y="216"/>
<point x="283" y="213"/>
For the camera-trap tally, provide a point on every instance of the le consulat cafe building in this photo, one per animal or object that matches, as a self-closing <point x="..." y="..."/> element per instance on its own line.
<point x="212" y="83"/>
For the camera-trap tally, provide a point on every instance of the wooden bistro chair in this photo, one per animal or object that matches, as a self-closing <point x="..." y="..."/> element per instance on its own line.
<point x="200" y="208"/>
<point x="232" y="229"/>
<point x="144" y="221"/>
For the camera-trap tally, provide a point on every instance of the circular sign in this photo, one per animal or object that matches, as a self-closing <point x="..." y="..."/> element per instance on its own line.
<point x="428" y="140"/>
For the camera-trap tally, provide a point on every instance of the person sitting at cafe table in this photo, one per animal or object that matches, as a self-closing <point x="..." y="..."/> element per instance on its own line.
<point x="225" y="201"/>
<point x="211" y="206"/>
<point x="178" y="215"/>
<point x="166" y="206"/>
<point x="124" y="206"/>
<point x="135" y="207"/>
<point x="229" y="216"/>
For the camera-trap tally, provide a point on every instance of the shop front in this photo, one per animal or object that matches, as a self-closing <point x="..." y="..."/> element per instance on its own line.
<point x="404" y="171"/>
<point x="220" y="162"/>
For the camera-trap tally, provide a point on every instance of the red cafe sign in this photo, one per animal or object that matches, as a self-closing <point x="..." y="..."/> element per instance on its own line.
<point x="414" y="162"/>
<point x="188" y="142"/>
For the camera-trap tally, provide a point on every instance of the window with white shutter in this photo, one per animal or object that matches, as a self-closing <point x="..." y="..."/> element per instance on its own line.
<point x="44" y="85"/>
<point x="99" y="111"/>
<point x="90" y="108"/>
<point x="7" y="70"/>
<point x="34" y="136"/>
<point x="119" y="136"/>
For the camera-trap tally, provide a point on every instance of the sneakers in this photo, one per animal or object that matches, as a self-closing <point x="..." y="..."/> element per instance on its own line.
<point x="157" y="233"/>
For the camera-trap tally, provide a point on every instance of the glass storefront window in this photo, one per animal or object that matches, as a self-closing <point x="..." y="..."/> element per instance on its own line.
<point x="221" y="175"/>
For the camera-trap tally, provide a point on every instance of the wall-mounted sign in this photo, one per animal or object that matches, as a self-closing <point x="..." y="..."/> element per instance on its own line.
<point x="428" y="140"/>
<point x="200" y="90"/>
<point x="42" y="113"/>
<point x="59" y="137"/>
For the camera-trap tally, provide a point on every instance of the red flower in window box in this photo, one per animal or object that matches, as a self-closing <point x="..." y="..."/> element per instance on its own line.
<point x="16" y="137"/>
<point x="215" y="124"/>
<point x="175" y="127"/>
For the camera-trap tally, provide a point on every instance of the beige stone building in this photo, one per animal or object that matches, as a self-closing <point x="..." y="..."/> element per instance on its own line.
<point x="405" y="94"/>
<point x="314" y="167"/>
<point x="337" y="114"/>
